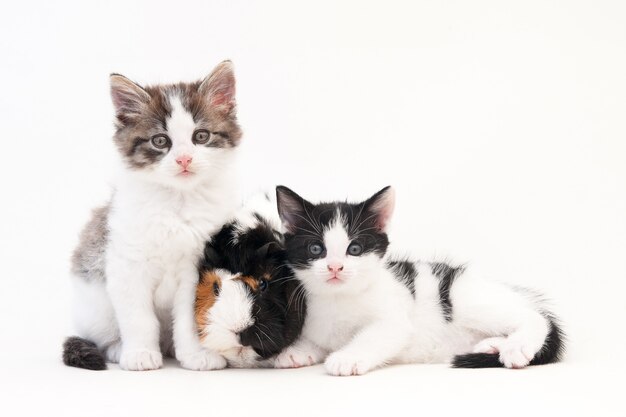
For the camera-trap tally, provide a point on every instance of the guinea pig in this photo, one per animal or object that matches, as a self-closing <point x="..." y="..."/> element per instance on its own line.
<point x="249" y="306"/>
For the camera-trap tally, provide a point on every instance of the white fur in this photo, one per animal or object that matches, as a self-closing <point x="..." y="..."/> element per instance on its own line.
<point x="370" y="318"/>
<point x="364" y="320"/>
<point x="158" y="224"/>
<point x="261" y="203"/>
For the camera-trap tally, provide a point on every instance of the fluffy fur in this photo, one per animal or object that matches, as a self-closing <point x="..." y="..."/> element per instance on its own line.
<point x="249" y="307"/>
<point x="82" y="353"/>
<point x="366" y="309"/>
<point x="135" y="269"/>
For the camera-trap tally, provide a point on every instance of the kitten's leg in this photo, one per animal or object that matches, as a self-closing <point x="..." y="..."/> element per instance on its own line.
<point x="93" y="314"/>
<point x="518" y="328"/>
<point x="302" y="353"/>
<point x="490" y="345"/>
<point x="373" y="346"/>
<point x="113" y="352"/>
<point x="188" y="350"/>
<point x="130" y="290"/>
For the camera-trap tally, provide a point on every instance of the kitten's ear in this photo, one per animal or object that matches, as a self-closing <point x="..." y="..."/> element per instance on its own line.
<point x="381" y="205"/>
<point x="219" y="87"/>
<point x="291" y="207"/>
<point x="128" y="97"/>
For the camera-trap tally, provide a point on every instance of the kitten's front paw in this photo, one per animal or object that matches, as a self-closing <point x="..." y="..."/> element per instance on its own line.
<point x="342" y="364"/>
<point x="141" y="360"/>
<point x="293" y="357"/>
<point x="203" y="360"/>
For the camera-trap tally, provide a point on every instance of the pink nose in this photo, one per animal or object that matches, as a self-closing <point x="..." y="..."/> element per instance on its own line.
<point x="335" y="267"/>
<point x="184" y="161"/>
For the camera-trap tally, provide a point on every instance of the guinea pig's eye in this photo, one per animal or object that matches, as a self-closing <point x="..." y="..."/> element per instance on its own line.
<point x="216" y="289"/>
<point x="160" y="141"/>
<point x="201" y="136"/>
<point x="355" y="249"/>
<point x="316" y="249"/>
<point x="263" y="284"/>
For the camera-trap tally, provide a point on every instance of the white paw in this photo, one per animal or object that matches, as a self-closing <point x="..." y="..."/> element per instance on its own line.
<point x="203" y="360"/>
<point x="295" y="358"/>
<point x="114" y="352"/>
<point x="515" y="355"/>
<point x="342" y="364"/>
<point x="140" y="360"/>
<point x="489" y="345"/>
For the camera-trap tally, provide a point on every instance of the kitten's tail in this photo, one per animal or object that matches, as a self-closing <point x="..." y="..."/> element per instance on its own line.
<point x="82" y="353"/>
<point x="552" y="350"/>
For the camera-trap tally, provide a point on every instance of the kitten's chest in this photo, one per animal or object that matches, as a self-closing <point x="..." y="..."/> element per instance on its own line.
<point x="332" y="324"/>
<point x="165" y="228"/>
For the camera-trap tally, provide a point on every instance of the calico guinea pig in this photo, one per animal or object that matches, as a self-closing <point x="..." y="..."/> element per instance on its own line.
<point x="249" y="306"/>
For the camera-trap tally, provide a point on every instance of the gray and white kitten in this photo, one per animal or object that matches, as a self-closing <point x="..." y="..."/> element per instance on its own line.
<point x="134" y="271"/>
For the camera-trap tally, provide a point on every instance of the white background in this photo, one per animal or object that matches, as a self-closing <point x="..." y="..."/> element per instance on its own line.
<point x="501" y="125"/>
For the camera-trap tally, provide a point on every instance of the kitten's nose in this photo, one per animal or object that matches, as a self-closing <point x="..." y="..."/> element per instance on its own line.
<point x="335" y="267"/>
<point x="184" y="161"/>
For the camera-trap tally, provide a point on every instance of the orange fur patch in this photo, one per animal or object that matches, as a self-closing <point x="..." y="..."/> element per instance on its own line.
<point x="205" y="298"/>
<point x="249" y="281"/>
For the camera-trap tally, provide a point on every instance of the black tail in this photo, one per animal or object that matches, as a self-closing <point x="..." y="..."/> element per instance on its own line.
<point x="82" y="353"/>
<point x="477" y="360"/>
<point x="552" y="350"/>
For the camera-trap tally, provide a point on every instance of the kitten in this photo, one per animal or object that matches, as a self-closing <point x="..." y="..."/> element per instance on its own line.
<point x="135" y="270"/>
<point x="366" y="309"/>
<point x="249" y="306"/>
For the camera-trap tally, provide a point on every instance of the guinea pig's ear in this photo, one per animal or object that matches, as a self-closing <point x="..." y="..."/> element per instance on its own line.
<point x="268" y="250"/>
<point x="212" y="259"/>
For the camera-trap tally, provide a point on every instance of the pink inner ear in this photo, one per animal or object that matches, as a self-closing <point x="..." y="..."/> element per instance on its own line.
<point x="383" y="218"/>
<point x="221" y="97"/>
<point x="126" y="96"/>
<point x="384" y="207"/>
<point x="124" y="101"/>
<point x="219" y="88"/>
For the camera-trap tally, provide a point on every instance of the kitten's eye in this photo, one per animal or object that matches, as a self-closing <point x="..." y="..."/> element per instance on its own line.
<point x="160" y="141"/>
<point x="216" y="289"/>
<point x="263" y="284"/>
<point x="355" y="249"/>
<point x="201" y="137"/>
<point x="316" y="249"/>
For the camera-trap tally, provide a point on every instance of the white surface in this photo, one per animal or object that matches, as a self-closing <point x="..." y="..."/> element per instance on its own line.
<point x="500" y="124"/>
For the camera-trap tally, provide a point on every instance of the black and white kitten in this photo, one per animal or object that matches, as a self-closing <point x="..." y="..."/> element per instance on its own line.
<point x="366" y="310"/>
<point x="249" y="306"/>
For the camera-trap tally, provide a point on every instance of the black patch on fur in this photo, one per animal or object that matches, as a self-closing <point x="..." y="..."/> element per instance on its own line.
<point x="82" y="353"/>
<point x="551" y="351"/>
<point x="554" y="346"/>
<point x="142" y="153"/>
<point x="405" y="272"/>
<point x="138" y="141"/>
<point x="279" y="311"/>
<point x="235" y="251"/>
<point x="446" y="275"/>
<point x="477" y="360"/>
